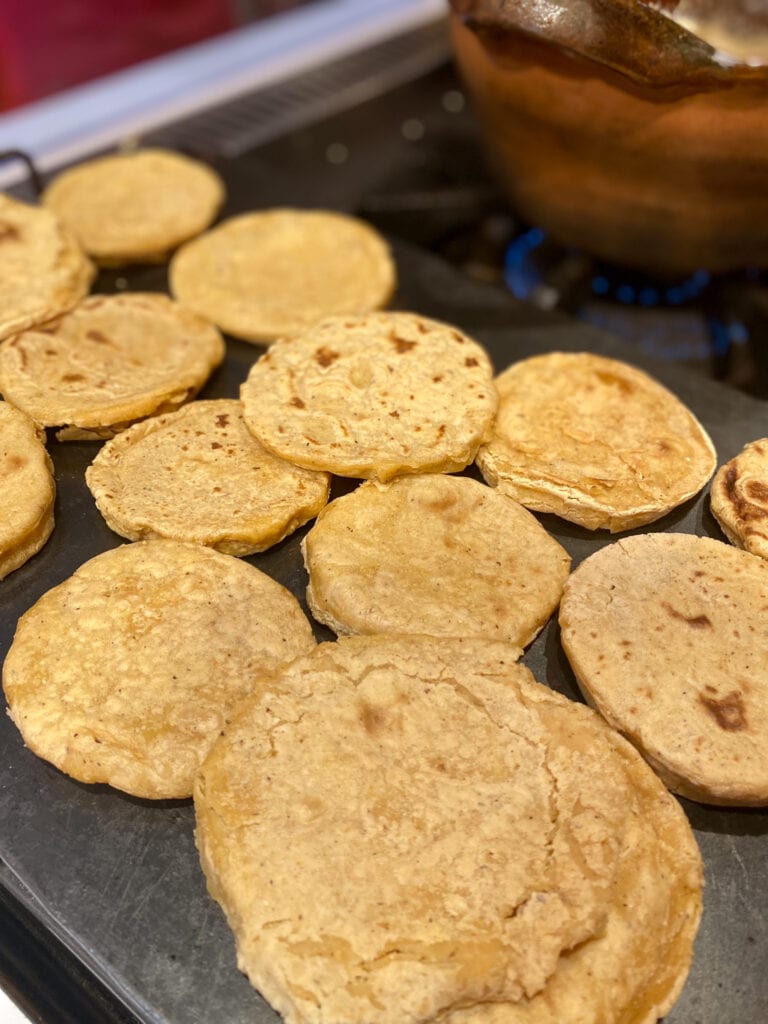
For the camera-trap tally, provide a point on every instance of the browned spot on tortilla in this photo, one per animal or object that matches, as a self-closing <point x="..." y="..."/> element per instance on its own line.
<point x="298" y="402"/>
<point x="471" y="361"/>
<point x="371" y="718"/>
<point x="14" y="462"/>
<point x="326" y="356"/>
<point x="222" y="419"/>
<point x="437" y="378"/>
<point x="395" y="414"/>
<point x="757" y="491"/>
<point x="611" y="379"/>
<point x="458" y="337"/>
<point x="97" y="336"/>
<point x="50" y="328"/>
<point x="9" y="232"/>
<point x="402" y="344"/>
<point x="664" y="446"/>
<point x="72" y="378"/>
<point x="23" y="359"/>
<point x="441" y="430"/>
<point x="729" y="712"/>
<point x="215" y="444"/>
<point x="695" y="621"/>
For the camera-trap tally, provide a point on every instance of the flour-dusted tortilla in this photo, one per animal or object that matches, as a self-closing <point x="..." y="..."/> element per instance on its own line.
<point x="126" y="672"/>
<point x="373" y="396"/>
<point x="435" y="554"/>
<point x="28" y="490"/>
<point x="112" y="360"/>
<point x="410" y="829"/>
<point x="137" y="206"/>
<point x="739" y="498"/>
<point x="666" y="634"/>
<point x="269" y="273"/>
<point x="198" y="474"/>
<point x="43" y="270"/>
<point x="594" y="441"/>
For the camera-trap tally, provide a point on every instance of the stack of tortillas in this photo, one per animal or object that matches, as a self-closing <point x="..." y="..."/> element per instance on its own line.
<point x="264" y="275"/>
<point x="373" y="396"/>
<point x="739" y="498"/>
<point x="666" y="636"/>
<point x="127" y="671"/>
<point x="43" y="269"/>
<point x="435" y="554"/>
<point x="28" y="490"/>
<point x="197" y="474"/>
<point x="110" y="361"/>
<point x="135" y="207"/>
<point x="595" y="441"/>
<point x="412" y="829"/>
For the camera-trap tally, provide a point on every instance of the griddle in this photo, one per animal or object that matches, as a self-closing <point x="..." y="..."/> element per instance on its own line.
<point x="107" y="888"/>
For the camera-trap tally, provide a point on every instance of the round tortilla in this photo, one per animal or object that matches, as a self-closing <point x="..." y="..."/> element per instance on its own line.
<point x="28" y="491"/>
<point x="43" y="270"/>
<point x="373" y="396"/>
<point x="434" y="554"/>
<point x="198" y="474"/>
<point x="112" y="360"/>
<point x="126" y="672"/>
<point x="404" y="829"/>
<point x="739" y="498"/>
<point x="666" y="636"/>
<point x="595" y="441"/>
<point x="135" y="207"/>
<point x="274" y="272"/>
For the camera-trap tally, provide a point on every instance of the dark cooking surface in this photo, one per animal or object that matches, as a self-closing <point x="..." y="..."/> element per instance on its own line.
<point x="117" y="878"/>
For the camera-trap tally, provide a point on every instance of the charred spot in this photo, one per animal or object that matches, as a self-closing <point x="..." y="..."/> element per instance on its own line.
<point x="471" y="361"/>
<point x="23" y="358"/>
<point x="437" y="378"/>
<point x="441" y="430"/>
<point x="222" y="420"/>
<point x="694" y="621"/>
<point x="729" y="712"/>
<point x="98" y="337"/>
<point x="298" y="402"/>
<point x="395" y="414"/>
<point x="50" y="328"/>
<point x="9" y="232"/>
<point x="216" y="444"/>
<point x="325" y="356"/>
<point x="402" y="344"/>
<point x="372" y="718"/>
<point x="757" y="491"/>
<point x="612" y="380"/>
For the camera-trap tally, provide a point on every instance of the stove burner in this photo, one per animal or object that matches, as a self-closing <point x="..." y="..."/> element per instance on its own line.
<point x="705" y="321"/>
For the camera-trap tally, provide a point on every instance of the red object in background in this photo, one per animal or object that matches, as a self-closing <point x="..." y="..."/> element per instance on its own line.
<point x="50" y="45"/>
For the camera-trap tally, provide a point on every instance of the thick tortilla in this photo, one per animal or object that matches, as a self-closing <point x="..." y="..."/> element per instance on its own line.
<point x="407" y="829"/>
<point x="595" y="441"/>
<point x="666" y="636"/>
<point x="126" y="672"/>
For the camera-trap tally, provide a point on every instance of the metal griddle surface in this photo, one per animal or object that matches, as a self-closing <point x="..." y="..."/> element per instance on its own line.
<point x="117" y="879"/>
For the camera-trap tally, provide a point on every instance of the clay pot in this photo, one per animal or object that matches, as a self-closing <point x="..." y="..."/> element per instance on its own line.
<point x="619" y="131"/>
